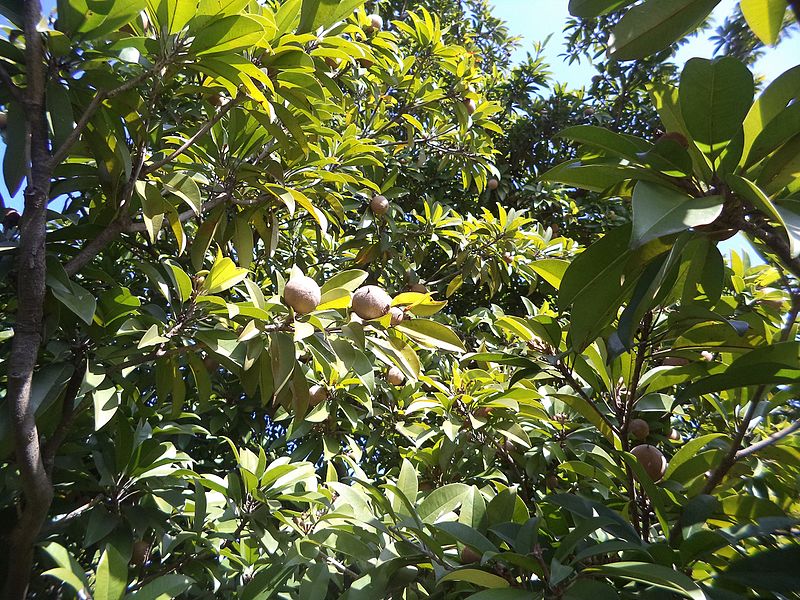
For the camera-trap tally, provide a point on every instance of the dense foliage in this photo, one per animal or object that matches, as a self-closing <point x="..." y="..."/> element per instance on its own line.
<point x="567" y="393"/>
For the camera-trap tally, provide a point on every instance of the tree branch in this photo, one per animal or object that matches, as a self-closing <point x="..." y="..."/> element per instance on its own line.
<point x="188" y="143"/>
<point x="100" y="97"/>
<point x="768" y="441"/>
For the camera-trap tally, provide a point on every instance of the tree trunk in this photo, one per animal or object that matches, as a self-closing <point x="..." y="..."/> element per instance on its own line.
<point x="31" y="271"/>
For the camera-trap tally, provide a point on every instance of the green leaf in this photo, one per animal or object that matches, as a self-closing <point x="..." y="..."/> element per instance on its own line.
<point x="660" y="211"/>
<point x="582" y="407"/>
<point x="112" y="575"/>
<point x="775" y="364"/>
<point x="477" y="577"/>
<point x="69" y="570"/>
<point x="589" y="9"/>
<point x="234" y="32"/>
<point x="656" y="576"/>
<point x="784" y="126"/>
<point x="610" y="142"/>
<point x="407" y="483"/>
<point x="442" y="500"/>
<point x="771" y="571"/>
<point x="551" y="270"/>
<point x="774" y="99"/>
<point x="432" y="334"/>
<point x="172" y="15"/>
<point x="715" y="96"/>
<point x="501" y="594"/>
<point x="224" y="274"/>
<point x="596" y="176"/>
<point x="106" y="403"/>
<point x="181" y="281"/>
<point x="654" y="25"/>
<point x="14" y="161"/>
<point x="324" y="13"/>
<point x="169" y="586"/>
<point x="349" y="280"/>
<point x="468" y="536"/>
<point x="765" y="18"/>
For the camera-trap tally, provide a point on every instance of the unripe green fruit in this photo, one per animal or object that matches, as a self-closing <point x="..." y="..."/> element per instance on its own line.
<point x="492" y="184"/>
<point x="470" y="105"/>
<point x="379" y="205"/>
<point x="398" y="314"/>
<point x="375" y="22"/>
<point x="395" y="376"/>
<point x="639" y="429"/>
<point x="317" y="394"/>
<point x="371" y="302"/>
<point x="652" y="460"/>
<point x="302" y="294"/>
<point x="470" y="556"/>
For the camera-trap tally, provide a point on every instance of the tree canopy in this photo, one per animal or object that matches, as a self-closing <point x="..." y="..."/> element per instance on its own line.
<point x="311" y="299"/>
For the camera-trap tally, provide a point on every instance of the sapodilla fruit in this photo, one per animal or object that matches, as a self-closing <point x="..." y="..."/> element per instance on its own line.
<point x="492" y="184"/>
<point x="398" y="314"/>
<point x="371" y="302"/>
<point x="375" y="22"/>
<point x="652" y="460"/>
<point x="470" y="105"/>
<point x="470" y="556"/>
<point x="302" y="294"/>
<point x="395" y="376"/>
<point x="379" y="205"/>
<point x="317" y="394"/>
<point x="639" y="429"/>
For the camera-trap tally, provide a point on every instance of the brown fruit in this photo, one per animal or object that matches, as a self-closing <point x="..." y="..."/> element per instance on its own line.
<point x="317" y="394"/>
<point x="492" y="184"/>
<point x="675" y="137"/>
<point x="639" y="429"/>
<point x="470" y="105"/>
<point x="588" y="111"/>
<point x="139" y="552"/>
<point x="398" y="314"/>
<point x="379" y="205"/>
<point x="425" y="486"/>
<point x="418" y="288"/>
<point x="470" y="556"/>
<point x="483" y="412"/>
<point x="11" y="218"/>
<point x="375" y="22"/>
<point x="371" y="302"/>
<point x="331" y="62"/>
<point x="675" y="361"/>
<point x="302" y="294"/>
<point x="508" y="258"/>
<point x="395" y="376"/>
<point x="652" y="460"/>
<point x="551" y="481"/>
<point x="216" y="99"/>
<point x="365" y="62"/>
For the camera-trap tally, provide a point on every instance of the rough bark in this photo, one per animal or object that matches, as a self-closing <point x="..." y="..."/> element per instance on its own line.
<point x="36" y="486"/>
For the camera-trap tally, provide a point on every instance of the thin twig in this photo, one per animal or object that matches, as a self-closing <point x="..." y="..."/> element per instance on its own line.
<point x="768" y="441"/>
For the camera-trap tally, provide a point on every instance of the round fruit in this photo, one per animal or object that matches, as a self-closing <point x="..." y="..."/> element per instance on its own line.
<point x="675" y="137"/>
<point x="675" y="361"/>
<point x="492" y="184"/>
<point x="639" y="429"/>
<point x="365" y="62"/>
<point x="470" y="105"/>
<point x="331" y="62"/>
<point x="551" y="481"/>
<point x="395" y="376"/>
<point x="425" y="486"/>
<point x="371" y="302"/>
<point x="379" y="205"/>
<point x="302" y="294"/>
<point x="11" y="218"/>
<point x="317" y="394"/>
<point x="508" y="258"/>
<point x="375" y="22"/>
<point x="469" y="556"/>
<point x="216" y="100"/>
<point x="418" y="288"/>
<point x="483" y="412"/>
<point x="398" y="314"/>
<point x="139" y="553"/>
<point x="588" y="111"/>
<point x="653" y="462"/>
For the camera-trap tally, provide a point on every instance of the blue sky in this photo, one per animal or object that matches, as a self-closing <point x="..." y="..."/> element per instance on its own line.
<point x="534" y="20"/>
